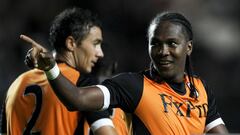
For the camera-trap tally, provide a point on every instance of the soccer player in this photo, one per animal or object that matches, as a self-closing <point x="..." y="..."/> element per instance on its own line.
<point x="168" y="98"/>
<point x="31" y="107"/>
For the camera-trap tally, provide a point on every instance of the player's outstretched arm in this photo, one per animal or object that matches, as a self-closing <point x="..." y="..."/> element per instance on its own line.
<point x="74" y="98"/>
<point x="89" y="98"/>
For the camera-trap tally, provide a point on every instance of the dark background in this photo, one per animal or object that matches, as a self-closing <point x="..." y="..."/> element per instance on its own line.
<point x="216" y="55"/>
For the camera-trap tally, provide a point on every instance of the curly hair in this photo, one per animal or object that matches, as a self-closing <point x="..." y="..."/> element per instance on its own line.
<point x="75" y="22"/>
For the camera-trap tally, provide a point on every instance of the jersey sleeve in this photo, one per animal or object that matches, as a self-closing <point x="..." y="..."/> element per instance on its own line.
<point x="213" y="117"/>
<point x="3" y="121"/>
<point x="125" y="90"/>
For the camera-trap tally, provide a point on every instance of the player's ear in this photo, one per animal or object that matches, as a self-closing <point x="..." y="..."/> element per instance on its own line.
<point x="189" y="47"/>
<point x="70" y="43"/>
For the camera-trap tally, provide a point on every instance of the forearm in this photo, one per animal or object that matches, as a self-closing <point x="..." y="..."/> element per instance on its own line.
<point x="76" y="98"/>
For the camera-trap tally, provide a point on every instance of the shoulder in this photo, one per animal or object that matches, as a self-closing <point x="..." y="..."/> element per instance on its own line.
<point x="125" y="89"/>
<point x="24" y="80"/>
<point x="128" y="76"/>
<point x="126" y="80"/>
<point x="29" y="76"/>
<point x="69" y="72"/>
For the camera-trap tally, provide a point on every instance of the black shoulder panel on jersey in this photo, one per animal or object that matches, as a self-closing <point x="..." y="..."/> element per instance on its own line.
<point x="126" y="90"/>
<point x="86" y="80"/>
<point x="212" y="113"/>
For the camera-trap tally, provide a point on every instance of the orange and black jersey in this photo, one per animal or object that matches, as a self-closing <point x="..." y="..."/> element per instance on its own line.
<point x="163" y="108"/>
<point x="32" y="107"/>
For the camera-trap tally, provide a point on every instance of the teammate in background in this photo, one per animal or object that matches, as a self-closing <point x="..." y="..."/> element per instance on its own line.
<point x="166" y="99"/>
<point x="31" y="107"/>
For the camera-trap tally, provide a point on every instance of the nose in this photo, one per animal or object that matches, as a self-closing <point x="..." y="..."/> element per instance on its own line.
<point x="164" y="50"/>
<point x="99" y="53"/>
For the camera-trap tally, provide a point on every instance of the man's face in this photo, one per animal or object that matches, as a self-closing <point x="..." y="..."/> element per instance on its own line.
<point x="168" y="49"/>
<point x="89" y="50"/>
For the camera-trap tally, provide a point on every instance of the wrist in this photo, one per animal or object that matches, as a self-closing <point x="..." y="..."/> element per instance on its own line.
<point x="53" y="72"/>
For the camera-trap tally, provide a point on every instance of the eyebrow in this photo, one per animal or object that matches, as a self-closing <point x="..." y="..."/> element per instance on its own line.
<point x="170" y="38"/>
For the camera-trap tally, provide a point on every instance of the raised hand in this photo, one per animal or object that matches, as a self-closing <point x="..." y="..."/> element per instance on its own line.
<point x="38" y="56"/>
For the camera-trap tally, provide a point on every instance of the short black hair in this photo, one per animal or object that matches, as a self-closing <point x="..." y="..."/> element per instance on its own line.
<point x="174" y="18"/>
<point x="75" y="22"/>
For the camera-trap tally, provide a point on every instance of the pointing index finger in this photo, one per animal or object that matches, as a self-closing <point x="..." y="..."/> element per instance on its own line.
<point x="32" y="42"/>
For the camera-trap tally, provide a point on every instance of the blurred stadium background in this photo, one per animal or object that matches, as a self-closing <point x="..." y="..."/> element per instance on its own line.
<point x="216" y="25"/>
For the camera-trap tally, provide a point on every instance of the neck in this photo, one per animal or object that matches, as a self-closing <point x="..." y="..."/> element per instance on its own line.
<point x="66" y="58"/>
<point x="179" y="78"/>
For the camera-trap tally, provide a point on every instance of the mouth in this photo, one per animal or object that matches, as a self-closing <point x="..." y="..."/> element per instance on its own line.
<point x="93" y="63"/>
<point x="164" y="63"/>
